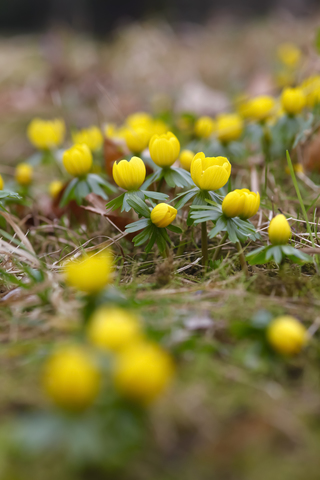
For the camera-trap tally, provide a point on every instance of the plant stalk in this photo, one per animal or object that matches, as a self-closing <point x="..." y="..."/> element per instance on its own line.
<point x="204" y="244"/>
<point x="217" y="251"/>
<point x="242" y="259"/>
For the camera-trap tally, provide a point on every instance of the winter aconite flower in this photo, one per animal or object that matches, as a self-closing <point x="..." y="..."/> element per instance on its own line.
<point x="92" y="137"/>
<point x="293" y="100"/>
<point x="77" y="160"/>
<point x="260" y="108"/>
<point x="286" y="335"/>
<point x="55" y="188"/>
<point x="279" y="230"/>
<point x="24" y="174"/>
<point x="241" y="203"/>
<point x="289" y="54"/>
<point x="204" y="127"/>
<point x="311" y="89"/>
<point x="113" y="329"/>
<point x="210" y="173"/>
<point x="71" y="378"/>
<point x="1" y="183"/>
<point x="137" y="139"/>
<point x="129" y="175"/>
<point x="142" y="372"/>
<point x="164" y="149"/>
<point x="186" y="157"/>
<point x="163" y="215"/>
<point x="89" y="273"/>
<point x="46" y="134"/>
<point x="229" y="127"/>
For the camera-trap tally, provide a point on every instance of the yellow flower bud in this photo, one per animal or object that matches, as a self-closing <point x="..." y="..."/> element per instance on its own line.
<point x="293" y="100"/>
<point x="92" y="137"/>
<point x="55" y="188"/>
<point x="286" y="335"/>
<point x="204" y="127"/>
<point x="279" y="230"/>
<point x="77" y="160"/>
<point x="229" y="127"/>
<point x="163" y="215"/>
<point x="1" y="183"/>
<point x="142" y="372"/>
<point x="139" y="119"/>
<point x="164" y="149"/>
<point x="311" y="89"/>
<point x="136" y="139"/>
<point x="260" y="108"/>
<point x="45" y="134"/>
<point x="241" y="203"/>
<point x="71" y="378"/>
<point x="129" y="175"/>
<point x="113" y="329"/>
<point x="89" y="273"/>
<point x="186" y="157"/>
<point x="210" y="173"/>
<point x="289" y="54"/>
<point x="24" y="174"/>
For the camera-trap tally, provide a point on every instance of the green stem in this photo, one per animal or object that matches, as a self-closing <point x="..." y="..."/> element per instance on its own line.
<point x="204" y="244"/>
<point x="217" y="251"/>
<point x="242" y="259"/>
<point x="160" y="184"/>
<point x="296" y="186"/>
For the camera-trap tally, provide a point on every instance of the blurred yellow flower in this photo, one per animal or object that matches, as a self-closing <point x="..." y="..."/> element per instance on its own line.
<point x="285" y="78"/>
<point x="260" y="108"/>
<point x="185" y="159"/>
<point x="71" y="378"/>
<point x="286" y="335"/>
<point x="163" y="215"/>
<point x="113" y="329"/>
<point x="143" y="372"/>
<point x="293" y="100"/>
<point x="89" y="273"/>
<point x="311" y="89"/>
<point x="279" y="230"/>
<point x="55" y="188"/>
<point x="289" y="54"/>
<point x="139" y="119"/>
<point x="92" y="137"/>
<point x="129" y="175"/>
<point x="164" y="149"/>
<point x="229" y="127"/>
<point x="24" y="174"/>
<point x="137" y="139"/>
<point x="241" y="203"/>
<point x="297" y="167"/>
<point x="1" y="183"/>
<point x="204" y="127"/>
<point x="46" y="134"/>
<point x="210" y="173"/>
<point x="77" y="160"/>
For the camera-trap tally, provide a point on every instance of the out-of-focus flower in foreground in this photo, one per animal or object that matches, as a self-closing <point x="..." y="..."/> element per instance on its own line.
<point x="142" y="372"/>
<point x="89" y="273"/>
<point x="1" y="183"/>
<point x="71" y="378"/>
<point x="311" y="89"/>
<point x="77" y="160"/>
<point x="260" y="108"/>
<point x="92" y="137"/>
<point x="210" y="173"/>
<point x="286" y="335"/>
<point x="163" y="215"/>
<point x="204" y="127"/>
<point x="129" y="175"/>
<point x="24" y="174"/>
<point x="241" y="203"/>
<point x="46" y="134"/>
<point x="137" y="139"/>
<point x="279" y="230"/>
<point x="55" y="188"/>
<point x="164" y="149"/>
<point x="293" y="100"/>
<point x="186" y="157"/>
<point x="289" y="54"/>
<point x="229" y="127"/>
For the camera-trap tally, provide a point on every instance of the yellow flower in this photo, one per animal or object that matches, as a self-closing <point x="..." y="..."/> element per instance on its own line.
<point x="229" y="127"/>
<point x="46" y="134"/>
<point x="311" y="88"/>
<point x="157" y="127"/>
<point x="163" y="215"/>
<point x="139" y="119"/>
<point x="71" y="378"/>
<point x="285" y="78"/>
<point x="186" y="157"/>
<point x="286" y="335"/>
<point x="289" y="54"/>
<point x="241" y="203"/>
<point x="297" y="167"/>
<point x="113" y="329"/>
<point x="77" y="160"/>
<point x="137" y="139"/>
<point x="204" y="127"/>
<point x="24" y="174"/>
<point x="1" y="183"/>
<point x="279" y="230"/>
<point x="210" y="173"/>
<point x="293" y="100"/>
<point x="142" y="372"/>
<point x="164" y="149"/>
<point x="91" y="136"/>
<point x="129" y="175"/>
<point x="89" y="273"/>
<point x="260" y="108"/>
<point x="55" y="188"/>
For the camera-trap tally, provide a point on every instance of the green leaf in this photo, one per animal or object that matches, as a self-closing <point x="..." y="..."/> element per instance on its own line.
<point x="115" y="203"/>
<point x="220" y="226"/>
<point x="101" y="181"/>
<point x="232" y="232"/>
<point x="155" y="195"/>
<point x="257" y="257"/>
<point x="152" y="240"/>
<point x="154" y="177"/>
<point x="9" y="194"/>
<point x="143" y="236"/>
<point x="139" y="225"/>
<point x="174" y="229"/>
<point x="68" y="193"/>
<point x="162" y="244"/>
<point x="295" y="255"/>
<point x="185" y="197"/>
<point x="138" y="205"/>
